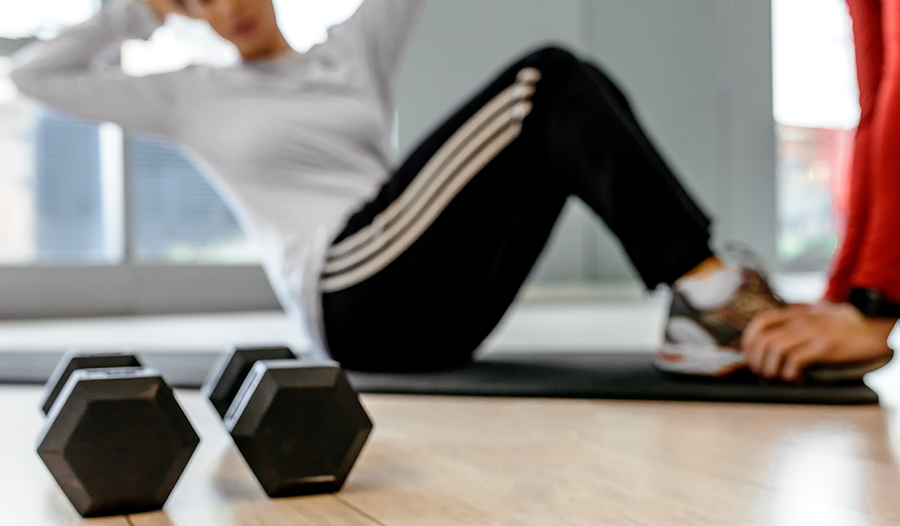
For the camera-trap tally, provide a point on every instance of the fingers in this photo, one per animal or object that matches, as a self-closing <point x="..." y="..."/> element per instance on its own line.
<point x="752" y="338"/>
<point x="797" y="361"/>
<point x="774" y="349"/>
<point x="766" y="321"/>
<point x="759" y="334"/>
<point x="756" y="351"/>
<point x="780" y="342"/>
<point x="779" y="354"/>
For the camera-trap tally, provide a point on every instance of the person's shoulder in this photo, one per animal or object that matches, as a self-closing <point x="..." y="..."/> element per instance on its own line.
<point x="191" y="83"/>
<point x="200" y="74"/>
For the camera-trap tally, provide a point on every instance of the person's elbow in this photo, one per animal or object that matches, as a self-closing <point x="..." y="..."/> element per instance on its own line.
<point x="23" y="79"/>
<point x="33" y="84"/>
<point x="26" y="74"/>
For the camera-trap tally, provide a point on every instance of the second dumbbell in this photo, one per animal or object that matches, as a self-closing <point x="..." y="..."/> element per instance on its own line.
<point x="299" y="424"/>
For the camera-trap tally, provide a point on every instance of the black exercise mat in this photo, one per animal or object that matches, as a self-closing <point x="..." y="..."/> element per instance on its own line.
<point x="623" y="376"/>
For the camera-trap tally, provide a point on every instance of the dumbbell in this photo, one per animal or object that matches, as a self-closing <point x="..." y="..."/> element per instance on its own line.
<point x="116" y="440"/>
<point x="298" y="423"/>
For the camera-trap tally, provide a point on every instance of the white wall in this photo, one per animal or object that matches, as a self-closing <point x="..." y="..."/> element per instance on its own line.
<point x="699" y="75"/>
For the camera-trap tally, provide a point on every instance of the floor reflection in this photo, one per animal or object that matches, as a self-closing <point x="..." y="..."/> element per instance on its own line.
<point x="822" y="466"/>
<point x="886" y="382"/>
<point x="841" y="470"/>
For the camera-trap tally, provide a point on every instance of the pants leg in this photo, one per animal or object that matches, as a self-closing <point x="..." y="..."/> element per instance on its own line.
<point x="601" y="149"/>
<point x="424" y="272"/>
<point x="869" y="48"/>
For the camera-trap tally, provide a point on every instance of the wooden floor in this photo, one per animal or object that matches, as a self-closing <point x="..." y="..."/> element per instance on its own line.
<point x="436" y="461"/>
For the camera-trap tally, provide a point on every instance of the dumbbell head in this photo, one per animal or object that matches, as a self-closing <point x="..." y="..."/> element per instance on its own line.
<point x="299" y="425"/>
<point x="116" y="441"/>
<point x="229" y="372"/>
<point x="73" y="361"/>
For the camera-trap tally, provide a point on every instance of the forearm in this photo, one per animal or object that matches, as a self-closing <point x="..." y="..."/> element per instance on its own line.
<point x="53" y="71"/>
<point x="65" y="73"/>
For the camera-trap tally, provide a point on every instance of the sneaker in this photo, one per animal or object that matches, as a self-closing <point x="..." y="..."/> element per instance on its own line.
<point x="707" y="342"/>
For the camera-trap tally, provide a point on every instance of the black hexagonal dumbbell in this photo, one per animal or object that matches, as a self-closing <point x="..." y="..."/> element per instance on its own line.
<point x="116" y="440"/>
<point x="298" y="423"/>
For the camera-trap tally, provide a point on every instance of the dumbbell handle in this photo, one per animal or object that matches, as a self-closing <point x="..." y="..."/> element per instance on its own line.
<point x="74" y="361"/>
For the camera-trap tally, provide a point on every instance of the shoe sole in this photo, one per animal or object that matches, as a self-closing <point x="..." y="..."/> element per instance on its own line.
<point x="717" y="362"/>
<point x="699" y="360"/>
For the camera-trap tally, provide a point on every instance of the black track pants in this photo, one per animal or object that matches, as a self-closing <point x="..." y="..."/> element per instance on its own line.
<point x="424" y="272"/>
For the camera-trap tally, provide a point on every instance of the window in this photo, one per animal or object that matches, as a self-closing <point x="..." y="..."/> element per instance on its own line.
<point x="816" y="111"/>
<point x="51" y="180"/>
<point x="91" y="216"/>
<point x="17" y="119"/>
<point x="51" y="185"/>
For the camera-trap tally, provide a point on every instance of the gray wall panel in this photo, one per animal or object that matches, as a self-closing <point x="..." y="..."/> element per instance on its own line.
<point x="664" y="55"/>
<point x="459" y="45"/>
<point x="699" y="76"/>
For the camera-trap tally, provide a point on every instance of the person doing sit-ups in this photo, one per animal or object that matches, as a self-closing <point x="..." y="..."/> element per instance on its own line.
<point x="411" y="267"/>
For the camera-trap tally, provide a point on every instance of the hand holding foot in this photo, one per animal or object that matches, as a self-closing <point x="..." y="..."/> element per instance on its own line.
<point x="782" y="343"/>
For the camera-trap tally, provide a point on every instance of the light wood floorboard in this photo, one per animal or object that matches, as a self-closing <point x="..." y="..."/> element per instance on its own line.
<point x="564" y="462"/>
<point x="435" y="461"/>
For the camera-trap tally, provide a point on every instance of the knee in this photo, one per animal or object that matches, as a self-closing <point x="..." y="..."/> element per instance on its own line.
<point x="553" y="52"/>
<point x="551" y="58"/>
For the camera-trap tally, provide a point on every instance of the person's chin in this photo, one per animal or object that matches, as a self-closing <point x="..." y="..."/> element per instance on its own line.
<point x="250" y="50"/>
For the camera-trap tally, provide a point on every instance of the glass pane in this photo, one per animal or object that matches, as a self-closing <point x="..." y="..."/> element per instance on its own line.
<point x="57" y="192"/>
<point x="67" y="189"/>
<point x="17" y="122"/>
<point x="176" y="214"/>
<point x="54" y="186"/>
<point x="816" y="111"/>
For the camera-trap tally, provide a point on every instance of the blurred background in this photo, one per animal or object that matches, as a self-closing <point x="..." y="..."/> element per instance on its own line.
<point x="755" y="105"/>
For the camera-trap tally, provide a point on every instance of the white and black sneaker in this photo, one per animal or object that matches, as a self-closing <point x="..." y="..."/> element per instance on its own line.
<point x="706" y="341"/>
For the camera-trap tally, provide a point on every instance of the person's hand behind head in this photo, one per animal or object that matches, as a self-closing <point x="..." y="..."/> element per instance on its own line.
<point x="164" y="8"/>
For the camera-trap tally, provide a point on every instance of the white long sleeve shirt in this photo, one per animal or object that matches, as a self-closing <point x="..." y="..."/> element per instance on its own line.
<point x="297" y="143"/>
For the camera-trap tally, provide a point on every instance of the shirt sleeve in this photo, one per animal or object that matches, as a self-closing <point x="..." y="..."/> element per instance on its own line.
<point x="67" y="72"/>
<point x="384" y="28"/>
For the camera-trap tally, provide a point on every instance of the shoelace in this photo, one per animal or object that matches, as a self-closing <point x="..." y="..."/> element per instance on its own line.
<point x="742" y="256"/>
